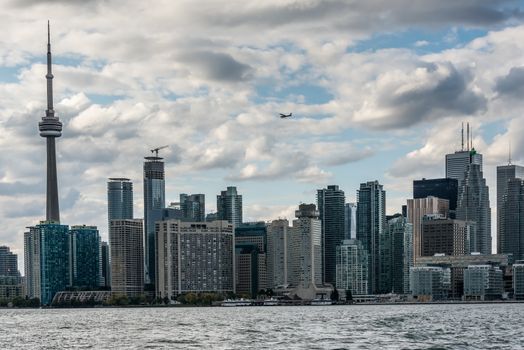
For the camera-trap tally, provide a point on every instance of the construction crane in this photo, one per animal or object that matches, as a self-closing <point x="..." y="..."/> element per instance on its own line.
<point x="155" y="150"/>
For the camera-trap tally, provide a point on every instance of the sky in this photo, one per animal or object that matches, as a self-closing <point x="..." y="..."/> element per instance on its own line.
<point x="378" y="90"/>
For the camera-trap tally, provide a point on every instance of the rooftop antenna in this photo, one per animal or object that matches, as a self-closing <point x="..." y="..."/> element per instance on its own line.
<point x="467" y="135"/>
<point x="462" y="136"/>
<point x="509" y="153"/>
<point x="471" y="139"/>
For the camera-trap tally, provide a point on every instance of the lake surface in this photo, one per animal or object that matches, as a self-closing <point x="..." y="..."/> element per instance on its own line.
<point x="486" y="326"/>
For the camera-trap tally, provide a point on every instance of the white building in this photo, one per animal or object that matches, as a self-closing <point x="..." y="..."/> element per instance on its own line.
<point x="352" y="267"/>
<point x="277" y="259"/>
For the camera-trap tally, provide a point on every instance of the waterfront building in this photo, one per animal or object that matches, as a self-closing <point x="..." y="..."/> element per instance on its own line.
<point x="195" y="257"/>
<point x="473" y="205"/>
<point x="229" y="206"/>
<point x="419" y="207"/>
<point x="331" y="208"/>
<point x="400" y="234"/>
<point x="458" y="263"/>
<point x="251" y="258"/>
<point x="441" y="235"/>
<point x="371" y="227"/>
<point x="518" y="280"/>
<point x="84" y="257"/>
<point x="8" y="263"/>
<point x="277" y="255"/>
<point x="304" y="249"/>
<point x="352" y="267"/>
<point x="505" y="173"/>
<point x="193" y="207"/>
<point x="154" y="204"/>
<point x="511" y="225"/>
<point x="429" y="283"/>
<point x="126" y="239"/>
<point x="11" y="287"/>
<point x="445" y="188"/>
<point x="105" y="266"/>
<point x="46" y="257"/>
<point x="483" y="282"/>
<point x="350" y="221"/>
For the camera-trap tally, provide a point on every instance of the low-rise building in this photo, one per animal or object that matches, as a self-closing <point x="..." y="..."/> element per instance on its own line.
<point x="482" y="282"/>
<point x="428" y="283"/>
<point x="518" y="280"/>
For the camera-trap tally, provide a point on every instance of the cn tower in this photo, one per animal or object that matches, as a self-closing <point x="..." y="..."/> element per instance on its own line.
<point x="50" y="128"/>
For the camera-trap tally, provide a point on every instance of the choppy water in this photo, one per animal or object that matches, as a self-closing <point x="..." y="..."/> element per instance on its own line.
<point x="308" y="327"/>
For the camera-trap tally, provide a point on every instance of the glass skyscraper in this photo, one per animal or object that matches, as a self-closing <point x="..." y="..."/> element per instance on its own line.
<point x="350" y="222"/>
<point x="119" y="199"/>
<point x="330" y="203"/>
<point x="446" y="188"/>
<point x="84" y="257"/>
<point x="456" y="163"/>
<point x="193" y="207"/>
<point x="154" y="203"/>
<point x="512" y="220"/>
<point x="505" y="173"/>
<point x="229" y="206"/>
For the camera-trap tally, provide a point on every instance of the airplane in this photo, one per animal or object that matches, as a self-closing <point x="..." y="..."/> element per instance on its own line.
<point x="285" y="115"/>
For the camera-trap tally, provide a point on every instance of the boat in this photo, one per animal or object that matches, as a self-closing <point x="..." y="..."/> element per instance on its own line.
<point x="320" y="302"/>
<point x="237" y="302"/>
<point x="271" y="302"/>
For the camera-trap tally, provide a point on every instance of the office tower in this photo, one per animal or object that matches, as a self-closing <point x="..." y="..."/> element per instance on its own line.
<point x="352" y="267"/>
<point x="331" y="207"/>
<point x="518" y="280"/>
<point x="105" y="266"/>
<point x="483" y="282"/>
<point x="193" y="207"/>
<point x="428" y="283"/>
<point x="350" y="221"/>
<point x="119" y="199"/>
<point x="8" y="263"/>
<point x="84" y="257"/>
<point x="154" y="203"/>
<point x="445" y="188"/>
<point x="400" y="233"/>
<point x="229" y="206"/>
<point x="195" y="257"/>
<point x="305" y="249"/>
<point x="50" y="127"/>
<point x="441" y="235"/>
<point x="417" y="209"/>
<point x="127" y="257"/>
<point x="473" y="205"/>
<point x="371" y="226"/>
<point x="46" y="256"/>
<point x="456" y="163"/>
<point x="277" y="256"/>
<point x="251" y="258"/>
<point x="504" y="174"/>
<point x="511" y="225"/>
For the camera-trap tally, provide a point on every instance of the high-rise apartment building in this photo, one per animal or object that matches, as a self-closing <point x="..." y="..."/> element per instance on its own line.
<point x="331" y="207"/>
<point x="126" y="239"/>
<point x="350" y="221"/>
<point x="371" y="227"/>
<point x="473" y="205"/>
<point x="352" y="267"/>
<point x="195" y="257"/>
<point x="417" y="209"/>
<point x="154" y="203"/>
<point x="46" y="257"/>
<point x="84" y="257"/>
<point x="193" y="207"/>
<point x="277" y="255"/>
<point x="119" y="199"/>
<point x="8" y="263"/>
<point x="511" y="225"/>
<point x="505" y="173"/>
<point x="229" y="206"/>
<point x="401" y="258"/>
<point x="251" y="258"/>
<point x="305" y="248"/>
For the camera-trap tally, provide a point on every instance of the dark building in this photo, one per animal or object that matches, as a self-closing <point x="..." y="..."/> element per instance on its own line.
<point x="512" y="220"/>
<point x="193" y="207"/>
<point x="505" y="173"/>
<point x="8" y="263"/>
<point x="84" y="257"/>
<point x="251" y="258"/>
<point x="105" y="266"/>
<point x="331" y="206"/>
<point x="445" y="188"/>
<point x="229" y="206"/>
<point x="445" y="236"/>
<point x="119" y="199"/>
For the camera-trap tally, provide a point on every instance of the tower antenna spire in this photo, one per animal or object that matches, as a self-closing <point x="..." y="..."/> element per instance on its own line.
<point x="467" y="136"/>
<point x="462" y="131"/>
<point x="509" y="153"/>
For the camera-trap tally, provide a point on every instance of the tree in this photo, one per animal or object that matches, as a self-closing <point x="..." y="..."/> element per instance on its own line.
<point x="334" y="295"/>
<point x="349" y="296"/>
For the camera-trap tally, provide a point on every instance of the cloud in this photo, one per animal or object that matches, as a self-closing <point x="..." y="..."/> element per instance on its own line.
<point x="218" y="66"/>
<point x="512" y="84"/>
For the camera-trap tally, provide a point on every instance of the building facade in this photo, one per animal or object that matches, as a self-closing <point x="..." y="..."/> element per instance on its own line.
<point x="445" y="188"/>
<point x="195" y="257"/>
<point x="331" y="207"/>
<point x="350" y="221"/>
<point x="251" y="254"/>
<point x="401" y="258"/>
<point x="126" y="239"/>
<point x="518" y="280"/>
<point x="483" y="282"/>
<point x="229" y="206"/>
<point x="119" y="199"/>
<point x="505" y="173"/>
<point x="352" y="267"/>
<point x="441" y="235"/>
<point x="8" y="263"/>
<point x="457" y="163"/>
<point x="511" y="224"/>
<point x="277" y="255"/>
<point x="105" y="265"/>
<point x="84" y="257"/>
<point x="193" y="207"/>
<point x="428" y="283"/>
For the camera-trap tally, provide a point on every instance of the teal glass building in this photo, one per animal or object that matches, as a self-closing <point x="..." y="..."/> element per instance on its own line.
<point x="84" y="257"/>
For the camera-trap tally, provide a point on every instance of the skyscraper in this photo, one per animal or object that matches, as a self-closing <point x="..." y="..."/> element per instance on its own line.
<point x="350" y="222"/>
<point x="456" y="163"/>
<point x="445" y="188"/>
<point x="84" y="257"/>
<point x="229" y="206"/>
<point x="371" y="226"/>
<point x="504" y="174"/>
<point x="330" y="203"/>
<point x="440" y="235"/>
<point x="473" y="205"/>
<point x="193" y="207"/>
<point x="8" y="263"/>
<point x="119" y="199"/>
<point x="50" y="128"/>
<point x="352" y="267"/>
<point x="400" y="233"/>
<point x="512" y="220"/>
<point x="277" y="255"/>
<point x="127" y="257"/>
<point x="154" y="203"/>
<point x="251" y="257"/>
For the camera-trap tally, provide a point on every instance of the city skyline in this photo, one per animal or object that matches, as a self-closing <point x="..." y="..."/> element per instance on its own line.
<point x="112" y="118"/>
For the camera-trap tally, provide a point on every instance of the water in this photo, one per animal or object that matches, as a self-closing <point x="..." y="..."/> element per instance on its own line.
<point x="308" y="327"/>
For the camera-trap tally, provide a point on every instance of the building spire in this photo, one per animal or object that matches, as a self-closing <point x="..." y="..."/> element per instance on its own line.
<point x="509" y="153"/>
<point x="49" y="76"/>
<point x="462" y="149"/>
